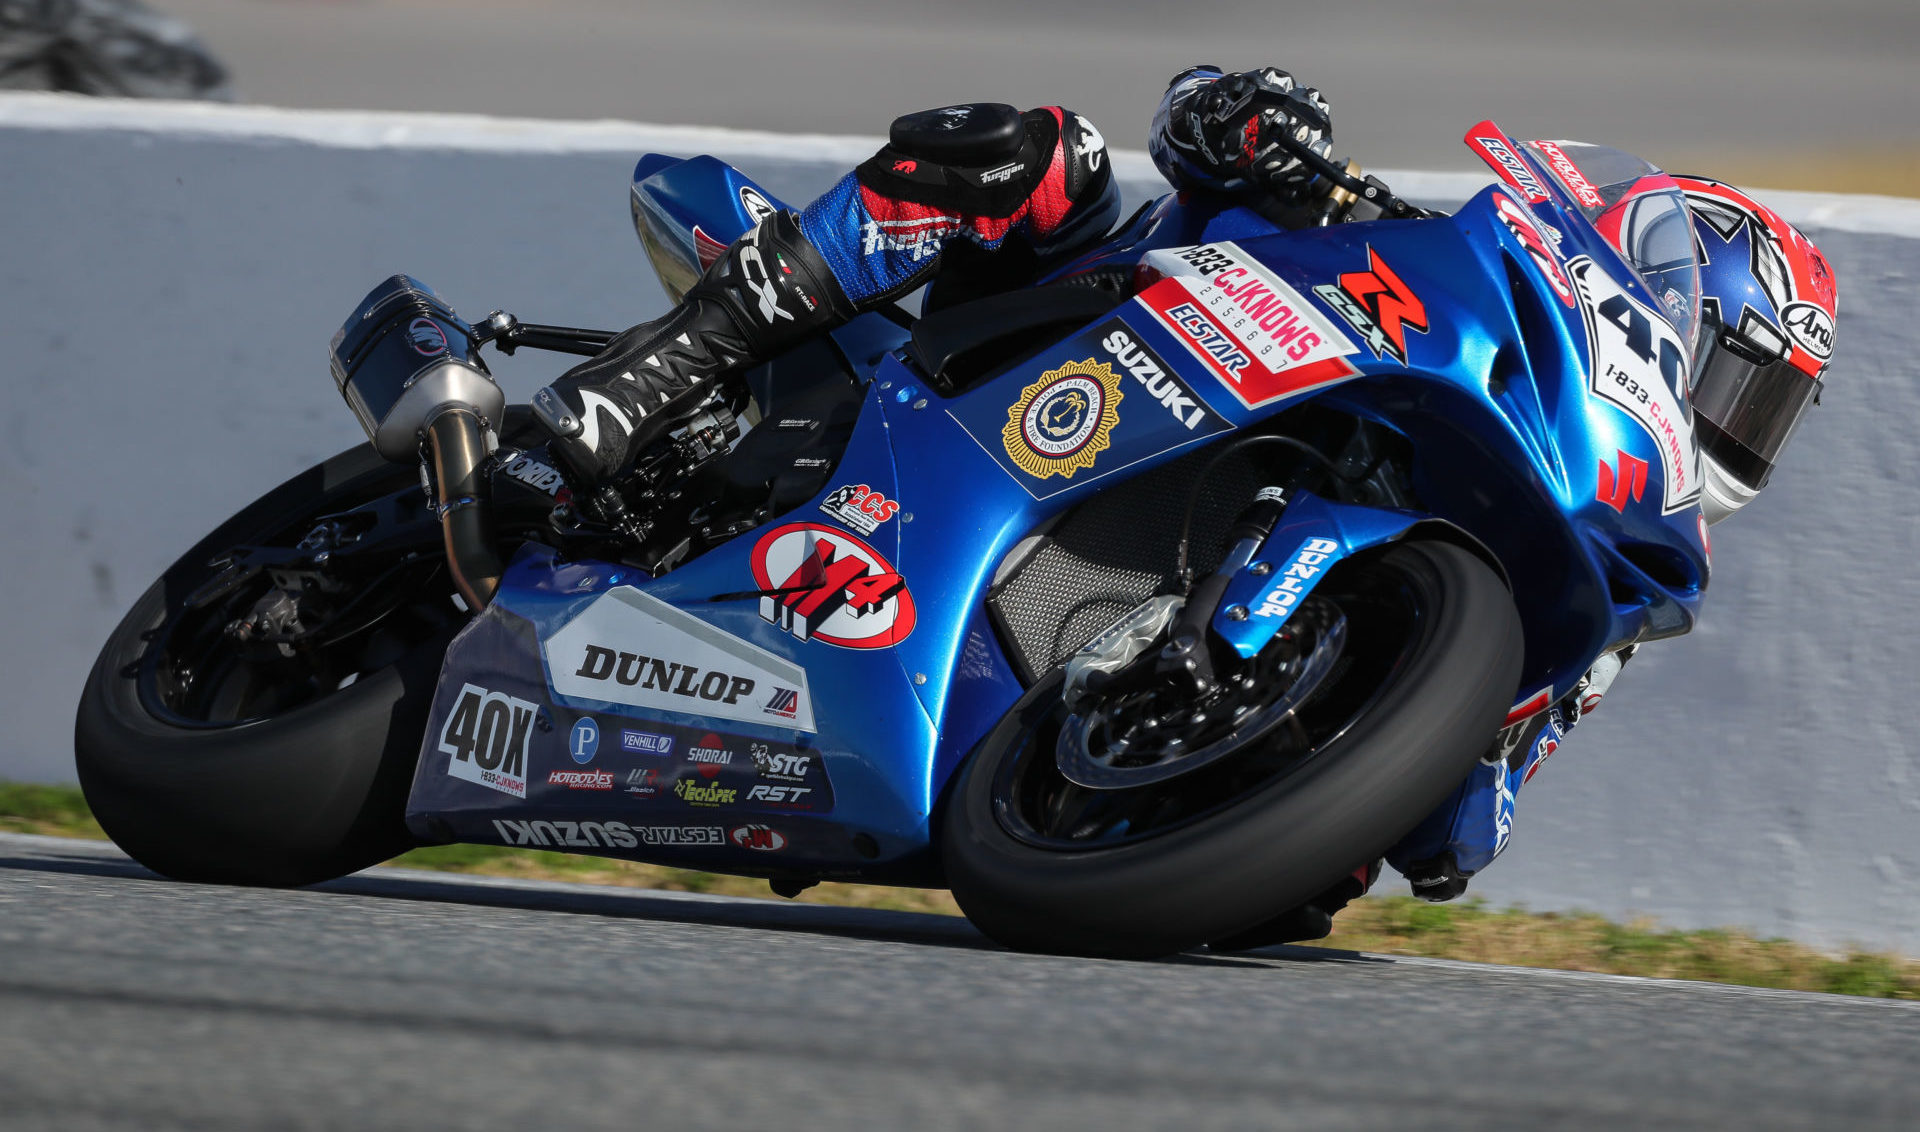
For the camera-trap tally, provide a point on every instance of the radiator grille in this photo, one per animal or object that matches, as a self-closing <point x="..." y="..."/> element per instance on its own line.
<point x="1111" y="553"/>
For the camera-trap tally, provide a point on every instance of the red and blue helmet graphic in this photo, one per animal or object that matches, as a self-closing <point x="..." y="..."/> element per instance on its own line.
<point x="1760" y="278"/>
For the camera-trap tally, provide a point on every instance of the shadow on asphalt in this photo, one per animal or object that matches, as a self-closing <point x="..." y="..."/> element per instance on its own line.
<point x="645" y="904"/>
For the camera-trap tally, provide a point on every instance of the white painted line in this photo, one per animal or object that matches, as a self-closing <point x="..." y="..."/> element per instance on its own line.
<point x="381" y="129"/>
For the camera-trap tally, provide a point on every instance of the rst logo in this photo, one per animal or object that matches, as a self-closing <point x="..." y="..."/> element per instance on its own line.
<point x="821" y="584"/>
<point x="777" y="795"/>
<point x="1296" y="577"/>
<point x="486" y="736"/>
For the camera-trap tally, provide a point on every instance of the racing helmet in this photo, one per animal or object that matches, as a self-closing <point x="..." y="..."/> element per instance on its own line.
<point x="1766" y="337"/>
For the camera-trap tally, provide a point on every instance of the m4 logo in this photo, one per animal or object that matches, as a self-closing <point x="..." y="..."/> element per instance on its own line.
<point x="1627" y="481"/>
<point x="486" y="735"/>
<point x="822" y="584"/>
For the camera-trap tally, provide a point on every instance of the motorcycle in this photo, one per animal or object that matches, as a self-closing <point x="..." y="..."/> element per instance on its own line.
<point x="1136" y="606"/>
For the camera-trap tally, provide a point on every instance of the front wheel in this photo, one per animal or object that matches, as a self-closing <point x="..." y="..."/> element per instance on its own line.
<point x="1425" y="671"/>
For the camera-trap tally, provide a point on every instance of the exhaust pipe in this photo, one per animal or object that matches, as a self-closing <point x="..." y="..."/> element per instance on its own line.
<point x="410" y="370"/>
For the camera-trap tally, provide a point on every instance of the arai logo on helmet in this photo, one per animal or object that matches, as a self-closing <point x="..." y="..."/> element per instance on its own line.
<point x="1811" y="327"/>
<point x="426" y="337"/>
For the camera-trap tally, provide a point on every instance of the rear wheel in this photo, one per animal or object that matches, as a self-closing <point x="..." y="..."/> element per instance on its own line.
<point x="257" y="715"/>
<point x="1426" y="651"/>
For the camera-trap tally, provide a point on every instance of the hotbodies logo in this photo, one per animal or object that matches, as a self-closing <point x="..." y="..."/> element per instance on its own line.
<point x="486" y="738"/>
<point x="689" y="666"/>
<point x="1258" y="335"/>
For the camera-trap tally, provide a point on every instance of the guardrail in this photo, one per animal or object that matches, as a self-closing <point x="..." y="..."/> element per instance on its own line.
<point x="171" y="274"/>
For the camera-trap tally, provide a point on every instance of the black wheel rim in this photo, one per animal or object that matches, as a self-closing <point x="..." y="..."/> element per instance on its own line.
<point x="194" y="674"/>
<point x="1037" y="805"/>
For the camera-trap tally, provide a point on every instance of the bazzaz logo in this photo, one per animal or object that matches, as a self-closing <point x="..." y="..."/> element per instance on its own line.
<point x="1146" y="368"/>
<point x="486" y="735"/>
<point x="568" y="834"/>
<point x="581" y="779"/>
<point x="859" y="507"/>
<point x="536" y="475"/>
<point x="698" y="794"/>
<point x="1296" y="578"/>
<point x="1525" y="229"/>
<point x="780" y="764"/>
<point x="777" y="795"/>
<point x="1521" y="176"/>
<point x="761" y="837"/>
<point x="1570" y="175"/>
<point x="822" y="584"/>
<point x="1061" y="423"/>
<point x="1379" y="305"/>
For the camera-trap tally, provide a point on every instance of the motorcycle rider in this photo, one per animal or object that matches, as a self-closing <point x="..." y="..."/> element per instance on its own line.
<point x="989" y="190"/>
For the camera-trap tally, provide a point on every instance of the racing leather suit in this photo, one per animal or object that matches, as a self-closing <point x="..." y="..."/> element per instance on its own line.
<point x="990" y="185"/>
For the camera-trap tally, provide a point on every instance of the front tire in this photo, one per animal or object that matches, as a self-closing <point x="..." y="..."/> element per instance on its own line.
<point x="1382" y="743"/>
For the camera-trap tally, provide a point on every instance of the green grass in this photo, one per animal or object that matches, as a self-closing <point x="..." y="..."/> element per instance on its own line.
<point x="1395" y="925"/>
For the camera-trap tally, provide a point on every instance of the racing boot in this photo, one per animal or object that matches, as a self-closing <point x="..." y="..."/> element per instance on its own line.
<point x="768" y="292"/>
<point x="1310" y="921"/>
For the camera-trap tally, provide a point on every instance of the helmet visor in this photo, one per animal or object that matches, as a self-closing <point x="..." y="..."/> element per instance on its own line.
<point x="1746" y="409"/>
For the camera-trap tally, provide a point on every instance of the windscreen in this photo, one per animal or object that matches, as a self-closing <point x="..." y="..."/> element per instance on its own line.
<point x="1642" y="213"/>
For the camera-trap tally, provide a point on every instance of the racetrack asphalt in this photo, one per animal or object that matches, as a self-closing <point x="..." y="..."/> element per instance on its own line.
<point x="399" y="999"/>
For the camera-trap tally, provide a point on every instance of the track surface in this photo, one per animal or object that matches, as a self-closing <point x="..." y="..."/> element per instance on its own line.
<point x="417" y="1000"/>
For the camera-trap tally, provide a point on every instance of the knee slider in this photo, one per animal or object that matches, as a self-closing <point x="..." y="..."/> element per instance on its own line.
<point x="976" y="133"/>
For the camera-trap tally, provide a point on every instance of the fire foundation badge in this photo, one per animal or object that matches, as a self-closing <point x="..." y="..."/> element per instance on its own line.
<point x="1062" y="422"/>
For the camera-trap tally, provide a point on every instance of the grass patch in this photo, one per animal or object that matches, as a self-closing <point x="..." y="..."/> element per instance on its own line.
<point x="1395" y="925"/>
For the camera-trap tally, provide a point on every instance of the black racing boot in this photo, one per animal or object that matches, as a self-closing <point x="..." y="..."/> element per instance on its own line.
<point x="1310" y="921"/>
<point x="770" y="291"/>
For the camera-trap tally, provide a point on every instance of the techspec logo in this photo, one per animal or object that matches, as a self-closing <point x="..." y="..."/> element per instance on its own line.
<point x="1258" y="335"/>
<point x="1296" y="577"/>
<point x="486" y="736"/>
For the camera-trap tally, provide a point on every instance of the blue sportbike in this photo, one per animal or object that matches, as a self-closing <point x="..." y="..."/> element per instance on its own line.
<point x="1136" y="606"/>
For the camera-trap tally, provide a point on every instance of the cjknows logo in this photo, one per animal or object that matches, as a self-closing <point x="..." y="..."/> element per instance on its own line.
<point x="1296" y="578"/>
<point x="486" y="735"/>
<point x="696" y="794"/>
<point x="1061" y="423"/>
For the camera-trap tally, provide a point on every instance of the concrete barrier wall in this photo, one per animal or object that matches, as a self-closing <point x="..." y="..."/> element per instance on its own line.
<point x="170" y="275"/>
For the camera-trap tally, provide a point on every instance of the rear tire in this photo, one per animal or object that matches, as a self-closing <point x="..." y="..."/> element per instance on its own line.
<point x="1349" y="798"/>
<point x="302" y="795"/>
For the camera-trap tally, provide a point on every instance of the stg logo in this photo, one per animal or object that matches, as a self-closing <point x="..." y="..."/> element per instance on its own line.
<point x="1617" y="485"/>
<point x="821" y="584"/>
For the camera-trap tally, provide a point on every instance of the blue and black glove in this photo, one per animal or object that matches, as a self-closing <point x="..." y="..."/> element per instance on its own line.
<point x="1240" y="132"/>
